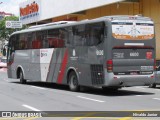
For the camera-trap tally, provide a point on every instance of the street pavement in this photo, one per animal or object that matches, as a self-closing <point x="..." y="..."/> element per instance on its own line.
<point x="36" y="96"/>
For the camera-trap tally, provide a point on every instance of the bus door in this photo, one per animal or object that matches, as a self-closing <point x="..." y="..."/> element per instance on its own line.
<point x="89" y="48"/>
<point x="79" y="53"/>
<point x="35" y="64"/>
<point x="96" y="46"/>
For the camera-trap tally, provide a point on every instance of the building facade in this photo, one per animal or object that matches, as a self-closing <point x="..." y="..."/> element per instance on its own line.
<point x="46" y="11"/>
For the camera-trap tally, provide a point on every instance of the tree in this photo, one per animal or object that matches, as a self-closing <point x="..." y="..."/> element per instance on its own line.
<point x="5" y="32"/>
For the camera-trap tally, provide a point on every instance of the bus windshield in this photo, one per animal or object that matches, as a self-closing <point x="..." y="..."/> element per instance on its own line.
<point x="132" y="29"/>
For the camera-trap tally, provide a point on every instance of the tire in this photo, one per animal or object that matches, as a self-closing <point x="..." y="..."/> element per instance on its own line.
<point x="152" y="85"/>
<point x="22" y="80"/>
<point x="73" y="82"/>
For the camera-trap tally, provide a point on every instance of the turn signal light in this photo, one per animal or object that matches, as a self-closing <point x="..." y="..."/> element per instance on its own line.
<point x="149" y="55"/>
<point x="110" y="65"/>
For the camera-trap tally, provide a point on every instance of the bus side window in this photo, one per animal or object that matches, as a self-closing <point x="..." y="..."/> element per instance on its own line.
<point x="95" y="33"/>
<point x="23" y="41"/>
<point x="52" y="37"/>
<point x="17" y="41"/>
<point x="29" y="40"/>
<point x="79" y="35"/>
<point x="56" y="38"/>
<point x="11" y="47"/>
<point x="44" y="39"/>
<point x="69" y="36"/>
<point x="63" y="37"/>
<point x="36" y="40"/>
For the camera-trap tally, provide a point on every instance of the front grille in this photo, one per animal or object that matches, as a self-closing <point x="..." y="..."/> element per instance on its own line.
<point x="97" y="74"/>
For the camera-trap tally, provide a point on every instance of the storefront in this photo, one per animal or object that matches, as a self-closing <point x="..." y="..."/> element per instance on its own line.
<point x="46" y="11"/>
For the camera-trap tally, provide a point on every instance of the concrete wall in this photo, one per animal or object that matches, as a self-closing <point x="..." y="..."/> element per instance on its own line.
<point x="122" y="8"/>
<point x="113" y="9"/>
<point x="151" y="8"/>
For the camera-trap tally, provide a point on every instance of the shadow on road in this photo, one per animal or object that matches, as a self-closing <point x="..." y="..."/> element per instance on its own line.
<point x="95" y="91"/>
<point x="157" y="87"/>
<point x="119" y="92"/>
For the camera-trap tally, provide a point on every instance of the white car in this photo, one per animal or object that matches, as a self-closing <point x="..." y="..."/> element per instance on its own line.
<point x="157" y="78"/>
<point x="3" y="62"/>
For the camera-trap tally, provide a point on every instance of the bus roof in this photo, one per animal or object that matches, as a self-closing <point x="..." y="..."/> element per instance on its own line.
<point x="69" y="23"/>
<point x="126" y="17"/>
<point x="53" y="23"/>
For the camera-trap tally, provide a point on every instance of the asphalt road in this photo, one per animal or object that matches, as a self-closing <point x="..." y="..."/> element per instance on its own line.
<point x="51" y="97"/>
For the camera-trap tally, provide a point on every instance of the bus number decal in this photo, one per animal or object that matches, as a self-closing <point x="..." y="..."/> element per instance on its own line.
<point x="99" y="52"/>
<point x="135" y="54"/>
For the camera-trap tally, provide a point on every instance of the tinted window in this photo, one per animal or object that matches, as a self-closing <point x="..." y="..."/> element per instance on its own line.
<point x="79" y="35"/>
<point x="88" y="34"/>
<point x="56" y="38"/>
<point x="36" y="41"/>
<point x="22" y="41"/>
<point x="15" y="42"/>
<point x="30" y="36"/>
<point x="12" y="47"/>
<point x="44" y="39"/>
<point x="68" y="36"/>
<point x="94" y="33"/>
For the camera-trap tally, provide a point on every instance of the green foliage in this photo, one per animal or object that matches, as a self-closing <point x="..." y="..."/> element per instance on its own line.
<point x="5" y="32"/>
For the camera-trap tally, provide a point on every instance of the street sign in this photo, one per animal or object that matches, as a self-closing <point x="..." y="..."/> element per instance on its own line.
<point x="13" y="24"/>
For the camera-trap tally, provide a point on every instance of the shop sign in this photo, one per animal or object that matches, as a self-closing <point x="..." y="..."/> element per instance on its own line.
<point x="29" y="10"/>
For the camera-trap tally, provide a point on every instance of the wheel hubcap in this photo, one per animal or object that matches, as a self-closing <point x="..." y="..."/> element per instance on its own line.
<point x="73" y="81"/>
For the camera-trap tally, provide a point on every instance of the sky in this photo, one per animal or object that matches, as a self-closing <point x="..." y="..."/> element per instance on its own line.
<point x="10" y="6"/>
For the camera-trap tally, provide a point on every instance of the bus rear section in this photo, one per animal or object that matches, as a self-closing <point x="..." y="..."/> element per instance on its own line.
<point x="132" y="58"/>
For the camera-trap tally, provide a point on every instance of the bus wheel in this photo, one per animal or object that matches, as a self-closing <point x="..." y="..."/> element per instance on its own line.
<point x="152" y="85"/>
<point x="22" y="80"/>
<point x="73" y="82"/>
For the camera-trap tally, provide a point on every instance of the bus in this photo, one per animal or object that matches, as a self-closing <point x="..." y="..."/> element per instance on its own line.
<point x="108" y="52"/>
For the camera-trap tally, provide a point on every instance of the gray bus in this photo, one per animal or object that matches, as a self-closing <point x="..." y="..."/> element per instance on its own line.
<point x="108" y="52"/>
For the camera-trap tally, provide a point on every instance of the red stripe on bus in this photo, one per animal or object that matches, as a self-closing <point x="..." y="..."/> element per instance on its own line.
<point x="63" y="67"/>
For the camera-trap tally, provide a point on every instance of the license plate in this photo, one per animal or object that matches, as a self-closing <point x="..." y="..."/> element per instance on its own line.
<point x="133" y="73"/>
